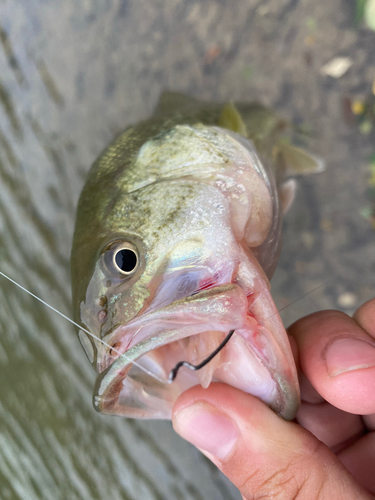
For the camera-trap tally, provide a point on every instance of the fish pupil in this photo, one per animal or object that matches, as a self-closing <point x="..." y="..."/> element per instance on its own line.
<point x="126" y="260"/>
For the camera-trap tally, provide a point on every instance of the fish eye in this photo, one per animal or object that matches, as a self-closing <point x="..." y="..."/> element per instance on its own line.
<point x="125" y="259"/>
<point x="122" y="258"/>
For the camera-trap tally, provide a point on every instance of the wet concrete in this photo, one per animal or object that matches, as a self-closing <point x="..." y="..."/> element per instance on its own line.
<point x="73" y="75"/>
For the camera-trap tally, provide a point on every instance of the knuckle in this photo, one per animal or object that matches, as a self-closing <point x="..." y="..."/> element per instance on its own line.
<point x="298" y="479"/>
<point x="280" y="485"/>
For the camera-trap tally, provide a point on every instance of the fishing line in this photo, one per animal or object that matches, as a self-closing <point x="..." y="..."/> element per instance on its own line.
<point x="83" y="329"/>
<point x="300" y="298"/>
<point x="305" y="295"/>
<point x="174" y="371"/>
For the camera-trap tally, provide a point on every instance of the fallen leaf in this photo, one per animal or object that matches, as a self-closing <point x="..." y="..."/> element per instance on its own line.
<point x="366" y="212"/>
<point x="337" y="67"/>
<point x="365" y="127"/>
<point x="358" y="107"/>
<point x="371" y="181"/>
<point x="360" y="10"/>
<point x="369" y="13"/>
<point x="346" y="299"/>
<point x="311" y="24"/>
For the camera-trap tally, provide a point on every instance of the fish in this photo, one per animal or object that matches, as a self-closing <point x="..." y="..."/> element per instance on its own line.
<point x="178" y="232"/>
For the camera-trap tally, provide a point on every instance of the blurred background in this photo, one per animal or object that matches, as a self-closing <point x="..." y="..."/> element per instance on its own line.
<point x="73" y="75"/>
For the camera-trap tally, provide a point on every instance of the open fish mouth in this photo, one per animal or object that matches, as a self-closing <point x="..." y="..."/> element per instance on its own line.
<point x="257" y="359"/>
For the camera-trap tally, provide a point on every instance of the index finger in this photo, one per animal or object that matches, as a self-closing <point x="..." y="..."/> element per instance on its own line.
<point x="365" y="317"/>
<point x="338" y="357"/>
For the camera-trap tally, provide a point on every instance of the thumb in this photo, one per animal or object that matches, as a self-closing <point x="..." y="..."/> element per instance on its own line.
<point x="263" y="455"/>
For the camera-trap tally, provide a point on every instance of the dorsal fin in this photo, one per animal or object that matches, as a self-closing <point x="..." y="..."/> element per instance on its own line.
<point x="298" y="161"/>
<point x="172" y="102"/>
<point x="231" y="119"/>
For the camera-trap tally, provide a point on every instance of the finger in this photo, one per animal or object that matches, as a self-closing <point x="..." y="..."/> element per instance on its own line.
<point x="369" y="421"/>
<point x="338" y="358"/>
<point x="263" y="455"/>
<point x="359" y="459"/>
<point x="365" y="317"/>
<point x="308" y="393"/>
<point x="335" y="428"/>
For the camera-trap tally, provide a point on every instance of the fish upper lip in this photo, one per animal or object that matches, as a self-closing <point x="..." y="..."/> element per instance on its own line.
<point x="226" y="322"/>
<point x="140" y="321"/>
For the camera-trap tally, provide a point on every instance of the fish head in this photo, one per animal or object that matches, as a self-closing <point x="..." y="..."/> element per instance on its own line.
<point x="176" y="267"/>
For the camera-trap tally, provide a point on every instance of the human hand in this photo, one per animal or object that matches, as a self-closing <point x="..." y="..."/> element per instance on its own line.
<point x="329" y="451"/>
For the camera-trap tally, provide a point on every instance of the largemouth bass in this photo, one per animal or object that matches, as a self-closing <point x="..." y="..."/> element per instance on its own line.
<point x="178" y="232"/>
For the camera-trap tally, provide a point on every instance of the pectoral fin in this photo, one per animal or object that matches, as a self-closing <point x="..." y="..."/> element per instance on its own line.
<point x="297" y="161"/>
<point x="231" y="119"/>
<point x="287" y="193"/>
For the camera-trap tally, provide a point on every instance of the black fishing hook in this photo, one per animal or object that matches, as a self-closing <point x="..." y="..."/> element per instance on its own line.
<point x="173" y="372"/>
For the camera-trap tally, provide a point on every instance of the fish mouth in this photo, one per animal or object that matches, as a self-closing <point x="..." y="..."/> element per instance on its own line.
<point x="257" y="359"/>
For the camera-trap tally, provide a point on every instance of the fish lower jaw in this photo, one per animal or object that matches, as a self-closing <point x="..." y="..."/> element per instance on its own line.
<point x="237" y="364"/>
<point x="134" y="393"/>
